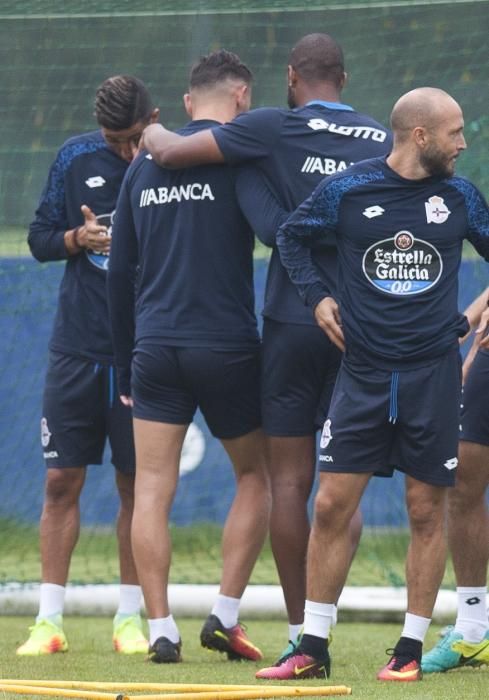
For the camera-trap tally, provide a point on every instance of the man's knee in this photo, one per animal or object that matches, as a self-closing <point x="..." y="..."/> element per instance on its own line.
<point x="427" y="518"/>
<point x="332" y="509"/>
<point x="125" y="487"/>
<point x="63" y="485"/>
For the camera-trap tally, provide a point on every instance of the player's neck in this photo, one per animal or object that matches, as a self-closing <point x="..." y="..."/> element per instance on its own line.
<point x="319" y="93"/>
<point x="215" y="112"/>
<point x="406" y="164"/>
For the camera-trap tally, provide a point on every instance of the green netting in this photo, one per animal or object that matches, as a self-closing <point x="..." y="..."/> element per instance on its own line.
<point x="51" y="66"/>
<point x="54" y="54"/>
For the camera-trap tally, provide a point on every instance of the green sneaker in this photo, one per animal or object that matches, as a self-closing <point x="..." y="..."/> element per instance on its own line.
<point x="289" y="650"/>
<point x="45" y="638"/>
<point x="128" y="637"/>
<point x="453" y="652"/>
<point x="473" y="653"/>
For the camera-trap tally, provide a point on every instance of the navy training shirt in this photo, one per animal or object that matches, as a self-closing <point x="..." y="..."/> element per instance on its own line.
<point x="293" y="150"/>
<point x="182" y="236"/>
<point x="400" y="244"/>
<point x="85" y="171"/>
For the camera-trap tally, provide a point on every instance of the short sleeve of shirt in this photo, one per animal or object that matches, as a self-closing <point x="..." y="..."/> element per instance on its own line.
<point x="251" y="135"/>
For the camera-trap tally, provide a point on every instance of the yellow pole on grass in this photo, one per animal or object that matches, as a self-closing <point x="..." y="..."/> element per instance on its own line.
<point x="21" y="689"/>
<point x="259" y="691"/>
<point x="112" y="685"/>
<point x="165" y="687"/>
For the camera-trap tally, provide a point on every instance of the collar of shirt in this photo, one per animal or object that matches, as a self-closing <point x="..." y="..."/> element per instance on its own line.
<point x="330" y="105"/>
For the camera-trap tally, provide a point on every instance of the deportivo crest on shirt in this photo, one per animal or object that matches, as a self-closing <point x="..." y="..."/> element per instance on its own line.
<point x="436" y="210"/>
<point x="45" y="434"/>
<point x="326" y="435"/>
<point x="402" y="265"/>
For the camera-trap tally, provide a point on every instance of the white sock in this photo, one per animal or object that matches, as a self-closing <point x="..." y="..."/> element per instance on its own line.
<point x="335" y="616"/>
<point x="163" y="627"/>
<point x="472" y="620"/>
<point x="129" y="600"/>
<point x="415" y="627"/>
<point x="318" y="618"/>
<point x="294" y="631"/>
<point x="226" y="609"/>
<point x="51" y="600"/>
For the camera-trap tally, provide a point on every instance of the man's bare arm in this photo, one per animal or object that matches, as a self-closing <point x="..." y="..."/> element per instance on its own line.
<point x="474" y="311"/>
<point x="174" y="151"/>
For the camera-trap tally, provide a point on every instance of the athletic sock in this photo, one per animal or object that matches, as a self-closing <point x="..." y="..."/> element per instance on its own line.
<point x="163" y="627"/>
<point x="472" y="620"/>
<point x="129" y="601"/>
<point x="294" y="631"/>
<point x="226" y="609"/>
<point x="412" y="648"/>
<point x="318" y="619"/>
<point x="415" y="627"/>
<point x="51" y="601"/>
<point x="313" y="646"/>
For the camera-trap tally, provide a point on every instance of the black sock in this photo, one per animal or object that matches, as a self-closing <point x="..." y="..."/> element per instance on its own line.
<point x="412" y="648"/>
<point x="313" y="646"/>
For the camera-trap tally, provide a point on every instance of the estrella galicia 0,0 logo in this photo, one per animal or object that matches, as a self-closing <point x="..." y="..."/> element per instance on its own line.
<point x="402" y="265"/>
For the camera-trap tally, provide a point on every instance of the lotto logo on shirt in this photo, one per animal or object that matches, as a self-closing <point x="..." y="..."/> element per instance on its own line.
<point x="402" y="265"/>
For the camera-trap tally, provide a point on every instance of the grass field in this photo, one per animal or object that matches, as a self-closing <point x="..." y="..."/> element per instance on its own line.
<point x="358" y="651"/>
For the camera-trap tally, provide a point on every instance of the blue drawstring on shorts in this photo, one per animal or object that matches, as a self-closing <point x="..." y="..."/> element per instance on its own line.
<point x="111" y="386"/>
<point x="393" y="408"/>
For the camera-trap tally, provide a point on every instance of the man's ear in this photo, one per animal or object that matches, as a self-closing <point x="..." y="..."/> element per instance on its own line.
<point x="420" y="136"/>
<point x="187" y="102"/>
<point x="343" y="80"/>
<point x="155" y="115"/>
<point x="243" y="97"/>
<point x="291" y="76"/>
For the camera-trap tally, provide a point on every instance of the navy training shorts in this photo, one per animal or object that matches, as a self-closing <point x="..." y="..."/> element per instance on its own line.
<point x="300" y="365"/>
<point x="409" y="420"/>
<point x="474" y="419"/>
<point x="169" y="383"/>
<point x="81" y="410"/>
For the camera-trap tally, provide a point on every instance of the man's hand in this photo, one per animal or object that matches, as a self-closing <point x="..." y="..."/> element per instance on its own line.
<point x="92" y="235"/>
<point x="328" y="318"/>
<point x="155" y="138"/>
<point x="481" y="340"/>
<point x="127" y="400"/>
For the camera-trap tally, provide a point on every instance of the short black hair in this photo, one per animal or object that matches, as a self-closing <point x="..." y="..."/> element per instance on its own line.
<point x="218" y="66"/>
<point x="121" y="101"/>
<point x="318" y="58"/>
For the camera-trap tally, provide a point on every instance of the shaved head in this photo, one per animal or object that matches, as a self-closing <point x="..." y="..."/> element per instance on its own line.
<point x="428" y="129"/>
<point x="423" y="107"/>
<point x="317" y="58"/>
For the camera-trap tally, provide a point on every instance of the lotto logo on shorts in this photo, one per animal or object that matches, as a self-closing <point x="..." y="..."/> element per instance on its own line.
<point x="326" y="436"/>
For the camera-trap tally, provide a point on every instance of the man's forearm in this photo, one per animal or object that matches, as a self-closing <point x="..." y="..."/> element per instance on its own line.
<point x="475" y="310"/>
<point x="171" y="150"/>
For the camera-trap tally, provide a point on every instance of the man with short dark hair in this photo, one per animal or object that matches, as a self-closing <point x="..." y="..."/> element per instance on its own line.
<point x="288" y="152"/>
<point x="399" y="223"/>
<point x="466" y="643"/>
<point x="187" y="337"/>
<point x="80" y="408"/>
